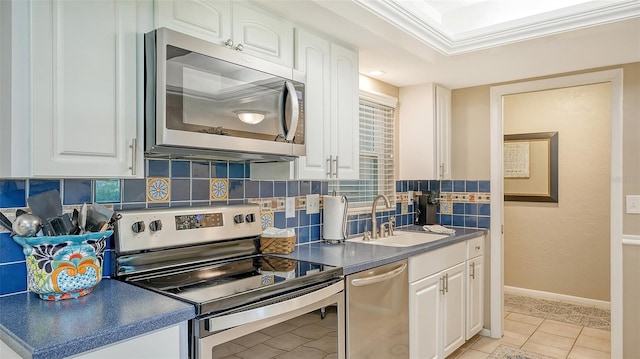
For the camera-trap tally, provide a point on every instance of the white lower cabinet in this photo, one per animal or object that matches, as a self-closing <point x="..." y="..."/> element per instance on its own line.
<point x="475" y="286"/>
<point x="437" y="302"/>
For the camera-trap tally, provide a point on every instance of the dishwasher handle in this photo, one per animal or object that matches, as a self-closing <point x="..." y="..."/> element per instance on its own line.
<point x="359" y="282"/>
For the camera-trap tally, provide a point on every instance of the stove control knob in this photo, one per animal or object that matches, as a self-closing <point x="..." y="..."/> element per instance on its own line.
<point x="250" y="218"/>
<point x="137" y="227"/>
<point x="155" y="225"/>
<point x="238" y="218"/>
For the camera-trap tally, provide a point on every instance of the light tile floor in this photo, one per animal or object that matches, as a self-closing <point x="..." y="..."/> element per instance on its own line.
<point x="552" y="338"/>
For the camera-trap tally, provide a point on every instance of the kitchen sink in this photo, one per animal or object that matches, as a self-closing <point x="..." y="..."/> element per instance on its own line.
<point x="403" y="239"/>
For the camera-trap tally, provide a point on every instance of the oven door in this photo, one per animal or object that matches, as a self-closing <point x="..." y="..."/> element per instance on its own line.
<point x="302" y="325"/>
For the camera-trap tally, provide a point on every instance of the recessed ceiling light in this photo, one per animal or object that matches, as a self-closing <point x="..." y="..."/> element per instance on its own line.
<point x="376" y="73"/>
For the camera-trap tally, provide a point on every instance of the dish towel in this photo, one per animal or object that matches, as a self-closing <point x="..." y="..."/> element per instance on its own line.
<point x="435" y="228"/>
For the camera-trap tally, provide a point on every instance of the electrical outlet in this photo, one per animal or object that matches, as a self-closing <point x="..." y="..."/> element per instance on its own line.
<point x="313" y="203"/>
<point x="633" y="203"/>
<point x="290" y="207"/>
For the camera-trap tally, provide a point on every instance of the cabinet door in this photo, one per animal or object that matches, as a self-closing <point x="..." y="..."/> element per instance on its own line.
<point x="345" y="128"/>
<point x="454" y="309"/>
<point x="475" y="300"/>
<point x="207" y="19"/>
<point x="262" y="35"/>
<point x="313" y="57"/>
<point x="443" y="132"/>
<point x="425" y="317"/>
<point x="84" y="58"/>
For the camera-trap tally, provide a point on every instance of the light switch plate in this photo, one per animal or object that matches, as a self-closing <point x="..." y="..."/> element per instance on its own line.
<point x="633" y="203"/>
<point x="290" y="207"/>
<point x="313" y="203"/>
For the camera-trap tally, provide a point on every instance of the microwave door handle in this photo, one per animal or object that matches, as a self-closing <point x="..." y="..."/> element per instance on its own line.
<point x="292" y="98"/>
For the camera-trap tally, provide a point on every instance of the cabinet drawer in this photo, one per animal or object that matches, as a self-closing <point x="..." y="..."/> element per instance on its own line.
<point x="475" y="247"/>
<point x="425" y="264"/>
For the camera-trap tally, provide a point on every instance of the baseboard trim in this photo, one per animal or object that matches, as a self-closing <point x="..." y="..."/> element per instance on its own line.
<point x="556" y="296"/>
<point x="485" y="332"/>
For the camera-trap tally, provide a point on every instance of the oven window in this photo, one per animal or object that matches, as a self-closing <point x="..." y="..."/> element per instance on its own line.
<point x="305" y="336"/>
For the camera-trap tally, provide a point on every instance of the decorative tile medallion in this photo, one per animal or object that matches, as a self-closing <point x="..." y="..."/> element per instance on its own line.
<point x="158" y="189"/>
<point x="219" y="189"/>
<point x="266" y="219"/>
<point x="446" y="207"/>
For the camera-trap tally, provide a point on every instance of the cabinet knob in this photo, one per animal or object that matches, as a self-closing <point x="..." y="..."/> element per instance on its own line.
<point x="239" y="47"/>
<point x="228" y="43"/>
<point x="477" y="248"/>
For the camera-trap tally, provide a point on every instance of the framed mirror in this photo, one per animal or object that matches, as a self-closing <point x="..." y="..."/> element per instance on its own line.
<point x="531" y="167"/>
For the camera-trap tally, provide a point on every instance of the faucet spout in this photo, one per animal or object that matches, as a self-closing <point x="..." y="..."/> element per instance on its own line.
<point x="374" y="221"/>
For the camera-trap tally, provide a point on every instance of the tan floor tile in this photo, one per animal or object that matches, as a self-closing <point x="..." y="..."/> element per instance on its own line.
<point x="585" y="353"/>
<point x="473" y="354"/>
<point x="506" y="313"/>
<point x="471" y="341"/>
<point x="544" y="349"/>
<point x="596" y="333"/>
<point x="525" y="318"/>
<point x="456" y="353"/>
<point x="327" y="344"/>
<point x="486" y="344"/>
<point x="287" y="341"/>
<point x="514" y="339"/>
<point x="598" y="344"/>
<point x="559" y="328"/>
<point x="519" y="327"/>
<point x="551" y="340"/>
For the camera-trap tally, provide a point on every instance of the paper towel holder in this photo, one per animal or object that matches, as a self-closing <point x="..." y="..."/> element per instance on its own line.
<point x="343" y="199"/>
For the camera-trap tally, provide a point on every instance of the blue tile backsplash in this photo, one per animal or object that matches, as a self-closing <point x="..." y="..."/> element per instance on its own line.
<point x="189" y="184"/>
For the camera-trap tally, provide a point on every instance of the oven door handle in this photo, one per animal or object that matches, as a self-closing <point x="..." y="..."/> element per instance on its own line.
<point x="235" y="319"/>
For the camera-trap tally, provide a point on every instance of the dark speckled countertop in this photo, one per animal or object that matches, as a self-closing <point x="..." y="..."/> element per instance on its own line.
<point x="354" y="256"/>
<point x="35" y="328"/>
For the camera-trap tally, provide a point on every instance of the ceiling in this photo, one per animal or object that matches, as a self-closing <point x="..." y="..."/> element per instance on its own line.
<point x="464" y="43"/>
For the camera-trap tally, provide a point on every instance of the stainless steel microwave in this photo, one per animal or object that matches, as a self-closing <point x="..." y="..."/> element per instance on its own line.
<point x="203" y="100"/>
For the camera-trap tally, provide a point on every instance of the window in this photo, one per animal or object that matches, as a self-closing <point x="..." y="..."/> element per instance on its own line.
<point x="377" y="114"/>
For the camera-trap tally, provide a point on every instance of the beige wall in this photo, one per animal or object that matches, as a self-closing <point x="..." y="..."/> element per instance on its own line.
<point x="563" y="247"/>
<point x="470" y="132"/>
<point x="471" y="160"/>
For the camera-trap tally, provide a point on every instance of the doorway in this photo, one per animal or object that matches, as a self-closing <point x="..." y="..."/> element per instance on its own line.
<point x="497" y="93"/>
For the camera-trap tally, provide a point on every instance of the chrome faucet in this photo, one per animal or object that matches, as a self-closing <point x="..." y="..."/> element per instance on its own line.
<point x="374" y="221"/>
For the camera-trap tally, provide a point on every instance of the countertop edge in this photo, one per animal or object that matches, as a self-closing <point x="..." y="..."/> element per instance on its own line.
<point x="171" y="315"/>
<point x="314" y="251"/>
<point x="113" y="335"/>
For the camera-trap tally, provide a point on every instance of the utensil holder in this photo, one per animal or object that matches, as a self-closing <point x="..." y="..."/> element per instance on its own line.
<point x="64" y="267"/>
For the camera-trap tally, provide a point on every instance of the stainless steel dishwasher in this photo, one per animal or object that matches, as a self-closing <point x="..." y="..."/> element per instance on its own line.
<point x="378" y="312"/>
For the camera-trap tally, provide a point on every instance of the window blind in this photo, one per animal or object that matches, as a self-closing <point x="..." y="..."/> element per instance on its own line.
<point x="376" y="157"/>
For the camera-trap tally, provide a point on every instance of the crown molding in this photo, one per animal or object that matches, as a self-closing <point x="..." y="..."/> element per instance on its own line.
<point x="443" y="41"/>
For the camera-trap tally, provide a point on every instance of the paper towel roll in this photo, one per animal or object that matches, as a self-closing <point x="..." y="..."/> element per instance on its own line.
<point x="334" y="218"/>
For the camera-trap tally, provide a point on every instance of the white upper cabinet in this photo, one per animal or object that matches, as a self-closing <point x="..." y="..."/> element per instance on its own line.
<point x="207" y="19"/>
<point x="83" y="79"/>
<point x="332" y="127"/>
<point x="424" y="132"/>
<point x="313" y="56"/>
<point x="236" y="25"/>
<point x="331" y="102"/>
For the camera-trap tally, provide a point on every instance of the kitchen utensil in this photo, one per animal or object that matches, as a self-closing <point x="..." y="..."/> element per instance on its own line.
<point x="74" y="221"/>
<point x="97" y="216"/>
<point x="58" y="226"/>
<point x="46" y="205"/>
<point x="82" y="218"/>
<point x="6" y="222"/>
<point x="27" y="225"/>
